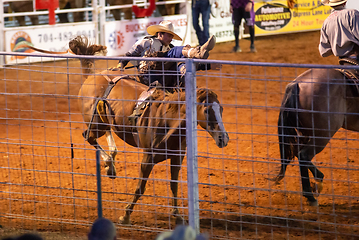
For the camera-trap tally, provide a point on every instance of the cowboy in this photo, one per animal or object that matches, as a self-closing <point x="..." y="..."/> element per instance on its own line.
<point x="339" y="34"/>
<point x="160" y="39"/>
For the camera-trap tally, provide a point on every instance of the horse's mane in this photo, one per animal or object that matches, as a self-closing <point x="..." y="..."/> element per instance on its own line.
<point x="172" y="99"/>
<point x="204" y="93"/>
<point x="168" y="103"/>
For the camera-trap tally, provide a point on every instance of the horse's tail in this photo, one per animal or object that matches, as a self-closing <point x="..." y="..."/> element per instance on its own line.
<point x="288" y="128"/>
<point x="26" y="44"/>
<point x="81" y="46"/>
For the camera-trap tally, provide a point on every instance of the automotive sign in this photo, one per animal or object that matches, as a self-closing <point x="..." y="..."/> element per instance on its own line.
<point x="273" y="17"/>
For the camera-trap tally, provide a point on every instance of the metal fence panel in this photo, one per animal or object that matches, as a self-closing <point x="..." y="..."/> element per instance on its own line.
<point x="45" y="187"/>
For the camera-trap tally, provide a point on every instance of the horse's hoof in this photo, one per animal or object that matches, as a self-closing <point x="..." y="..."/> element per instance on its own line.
<point x="111" y="172"/>
<point x="317" y="187"/>
<point x="313" y="203"/>
<point x="181" y="221"/>
<point x="124" y="221"/>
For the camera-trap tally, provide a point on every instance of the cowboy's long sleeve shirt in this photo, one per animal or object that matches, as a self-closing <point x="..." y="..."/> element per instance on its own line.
<point x="339" y="33"/>
<point x="148" y="43"/>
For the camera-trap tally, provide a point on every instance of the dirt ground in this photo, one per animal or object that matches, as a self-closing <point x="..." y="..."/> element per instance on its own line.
<point x="43" y="189"/>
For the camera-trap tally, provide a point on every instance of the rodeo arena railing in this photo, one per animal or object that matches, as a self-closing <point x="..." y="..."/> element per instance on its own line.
<point x="243" y="152"/>
<point x="236" y="131"/>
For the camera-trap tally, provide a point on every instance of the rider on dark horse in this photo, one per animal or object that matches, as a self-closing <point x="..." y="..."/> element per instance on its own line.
<point x="340" y="31"/>
<point x="158" y="44"/>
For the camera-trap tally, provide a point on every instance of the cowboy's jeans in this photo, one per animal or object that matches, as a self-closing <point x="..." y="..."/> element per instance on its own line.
<point x="175" y="52"/>
<point x="204" y="8"/>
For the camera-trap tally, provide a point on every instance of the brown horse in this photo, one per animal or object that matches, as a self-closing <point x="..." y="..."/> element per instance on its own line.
<point x="315" y="106"/>
<point x="160" y="126"/>
<point x="27" y="6"/>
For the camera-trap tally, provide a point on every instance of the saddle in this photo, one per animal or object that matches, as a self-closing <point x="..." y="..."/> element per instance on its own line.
<point x="352" y="75"/>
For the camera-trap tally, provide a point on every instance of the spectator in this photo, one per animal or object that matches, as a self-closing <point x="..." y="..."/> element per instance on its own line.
<point x="26" y="236"/>
<point x="203" y="8"/>
<point x="242" y="9"/>
<point x="102" y="229"/>
<point x="181" y="233"/>
<point x="339" y="35"/>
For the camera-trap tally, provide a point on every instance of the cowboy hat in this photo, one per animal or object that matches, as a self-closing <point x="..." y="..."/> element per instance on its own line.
<point x="164" y="26"/>
<point x="333" y="3"/>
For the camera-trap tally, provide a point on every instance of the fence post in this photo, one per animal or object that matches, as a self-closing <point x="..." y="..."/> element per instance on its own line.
<point x="102" y="22"/>
<point x="2" y="35"/>
<point x="98" y="176"/>
<point x="191" y="141"/>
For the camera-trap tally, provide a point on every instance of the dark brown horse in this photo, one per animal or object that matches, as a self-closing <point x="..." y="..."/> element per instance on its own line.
<point x="160" y="129"/>
<point x="315" y="106"/>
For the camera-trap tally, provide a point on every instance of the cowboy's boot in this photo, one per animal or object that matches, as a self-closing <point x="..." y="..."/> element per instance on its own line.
<point x="201" y="52"/>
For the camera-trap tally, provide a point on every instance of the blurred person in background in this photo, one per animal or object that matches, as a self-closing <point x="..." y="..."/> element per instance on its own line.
<point x="26" y="236"/>
<point x="242" y="9"/>
<point x="203" y="8"/>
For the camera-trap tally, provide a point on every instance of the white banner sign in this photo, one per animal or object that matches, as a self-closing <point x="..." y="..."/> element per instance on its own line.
<point x="220" y="22"/>
<point x="52" y="38"/>
<point x="121" y="35"/>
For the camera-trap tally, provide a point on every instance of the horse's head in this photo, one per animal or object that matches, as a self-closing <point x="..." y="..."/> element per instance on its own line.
<point x="209" y="116"/>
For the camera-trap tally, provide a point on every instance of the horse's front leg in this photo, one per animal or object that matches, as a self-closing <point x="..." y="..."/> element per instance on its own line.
<point x="176" y="162"/>
<point x="146" y="168"/>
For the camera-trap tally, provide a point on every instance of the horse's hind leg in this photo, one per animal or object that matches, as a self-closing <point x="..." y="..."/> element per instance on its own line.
<point x="307" y="190"/>
<point x="109" y="160"/>
<point x="176" y="162"/>
<point x="146" y="168"/>
<point x="305" y="157"/>
<point x="318" y="176"/>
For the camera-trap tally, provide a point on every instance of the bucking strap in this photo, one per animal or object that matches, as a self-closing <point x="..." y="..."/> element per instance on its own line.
<point x="140" y="107"/>
<point x="99" y="107"/>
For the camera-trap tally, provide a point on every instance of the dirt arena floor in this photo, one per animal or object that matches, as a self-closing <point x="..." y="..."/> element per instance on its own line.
<point x="43" y="189"/>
